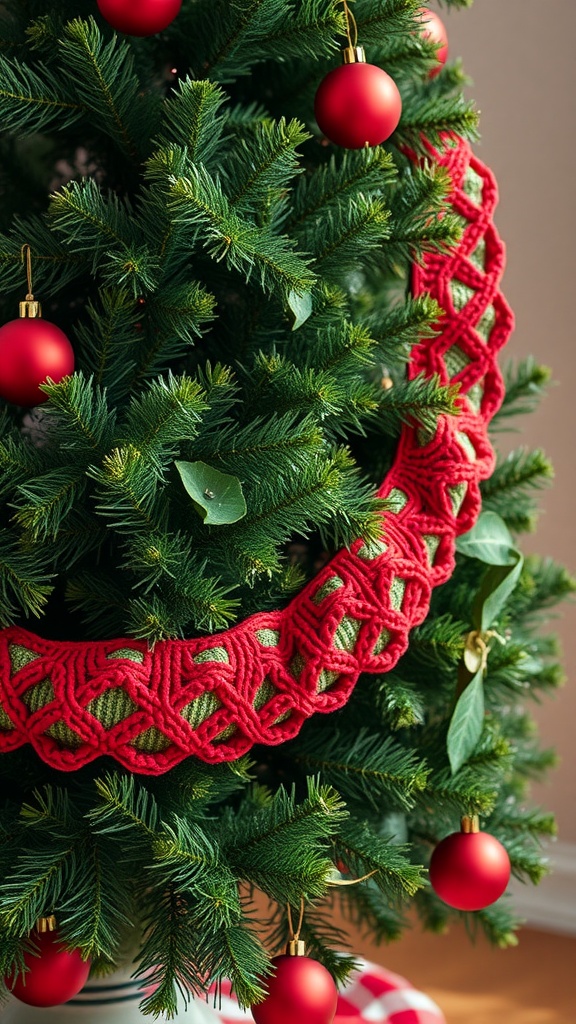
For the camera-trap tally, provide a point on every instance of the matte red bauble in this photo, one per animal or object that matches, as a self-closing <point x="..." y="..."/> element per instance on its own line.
<point x="139" y="17"/>
<point x="300" y="992"/>
<point x="434" y="31"/>
<point x="469" y="870"/>
<point x="357" y="105"/>
<point x="54" y="977"/>
<point x="32" y="349"/>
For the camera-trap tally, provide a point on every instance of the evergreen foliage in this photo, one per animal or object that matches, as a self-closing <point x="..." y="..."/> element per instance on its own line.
<point x="237" y="292"/>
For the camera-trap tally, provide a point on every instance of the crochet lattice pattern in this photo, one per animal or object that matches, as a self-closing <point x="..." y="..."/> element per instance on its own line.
<point x="216" y="696"/>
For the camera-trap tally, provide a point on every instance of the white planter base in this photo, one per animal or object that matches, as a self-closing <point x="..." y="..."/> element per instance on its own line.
<point x="111" y="1000"/>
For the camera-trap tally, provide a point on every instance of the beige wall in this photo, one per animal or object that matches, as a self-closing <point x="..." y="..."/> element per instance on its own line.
<point x="520" y="54"/>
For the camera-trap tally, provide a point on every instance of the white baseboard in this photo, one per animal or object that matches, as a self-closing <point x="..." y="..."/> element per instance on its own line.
<point x="551" y="905"/>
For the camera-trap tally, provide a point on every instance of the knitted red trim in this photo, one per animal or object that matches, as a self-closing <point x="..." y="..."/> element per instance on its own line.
<point x="260" y="680"/>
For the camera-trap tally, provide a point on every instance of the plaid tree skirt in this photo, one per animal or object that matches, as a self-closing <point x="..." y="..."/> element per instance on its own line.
<point x="373" y="995"/>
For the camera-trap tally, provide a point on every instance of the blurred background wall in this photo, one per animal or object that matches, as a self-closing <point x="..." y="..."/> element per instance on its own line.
<point x="520" y="55"/>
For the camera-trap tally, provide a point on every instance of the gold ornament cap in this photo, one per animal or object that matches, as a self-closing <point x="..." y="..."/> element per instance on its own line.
<point x="353" y="55"/>
<point x="295" y="947"/>
<point x="46" y="924"/>
<point x="470" y="823"/>
<point x="30" y="308"/>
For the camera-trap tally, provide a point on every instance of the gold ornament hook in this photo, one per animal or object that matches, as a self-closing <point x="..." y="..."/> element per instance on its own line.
<point x="351" y="26"/>
<point x="29" y="308"/>
<point x="26" y="254"/>
<point x="352" y="54"/>
<point x="353" y="881"/>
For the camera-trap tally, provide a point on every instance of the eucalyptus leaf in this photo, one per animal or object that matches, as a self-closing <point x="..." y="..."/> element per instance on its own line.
<point x="497" y="585"/>
<point x="301" y="306"/>
<point x="466" y="725"/>
<point x="216" y="496"/>
<point x="489" y="540"/>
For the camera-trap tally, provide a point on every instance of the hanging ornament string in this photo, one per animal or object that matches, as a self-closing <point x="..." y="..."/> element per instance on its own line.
<point x="295" y="946"/>
<point x="26" y="254"/>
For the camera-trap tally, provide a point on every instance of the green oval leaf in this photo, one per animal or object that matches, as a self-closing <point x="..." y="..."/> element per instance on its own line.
<point x="489" y="540"/>
<point x="216" y="496"/>
<point x="497" y="585"/>
<point x="301" y="306"/>
<point x="466" y="725"/>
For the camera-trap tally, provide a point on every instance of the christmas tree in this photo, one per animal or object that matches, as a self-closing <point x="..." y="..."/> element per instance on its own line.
<point x="241" y="338"/>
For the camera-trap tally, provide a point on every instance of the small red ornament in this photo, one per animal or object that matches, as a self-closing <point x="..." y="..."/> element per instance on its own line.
<point x="434" y="31"/>
<point x="469" y="869"/>
<point x="357" y="104"/>
<point x="30" y="351"/>
<point x="139" y="17"/>
<point x="300" y="992"/>
<point x="53" y="977"/>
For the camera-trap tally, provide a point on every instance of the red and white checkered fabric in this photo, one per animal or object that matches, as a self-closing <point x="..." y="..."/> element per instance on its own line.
<point x="373" y="995"/>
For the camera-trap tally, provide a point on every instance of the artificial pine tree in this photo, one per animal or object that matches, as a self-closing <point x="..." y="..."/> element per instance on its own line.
<point x="238" y="294"/>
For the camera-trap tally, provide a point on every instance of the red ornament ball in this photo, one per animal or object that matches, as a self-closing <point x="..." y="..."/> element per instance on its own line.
<point x="54" y="977"/>
<point x="139" y="17"/>
<point x="300" y="992"/>
<point x="434" y="31"/>
<point x="357" y="104"/>
<point x="32" y="349"/>
<point x="469" y="870"/>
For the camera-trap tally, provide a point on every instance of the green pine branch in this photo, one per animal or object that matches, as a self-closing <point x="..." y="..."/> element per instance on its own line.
<point x="193" y="119"/>
<point x="397" y="329"/>
<point x="230" y="43"/>
<point x="280" y="846"/>
<point x="332" y="185"/>
<point x="198" y="201"/>
<point x="44" y="503"/>
<point x="260" y="171"/>
<point x="525" y="382"/>
<point x="363" y="849"/>
<point x="34" y="99"/>
<point x="420" y="221"/>
<point x="428" y="119"/>
<point x="418" y="401"/>
<point x="25" y="580"/>
<point x="366" y="769"/>
<point x="93" y="222"/>
<point x="102" y="75"/>
<point x="509" y="491"/>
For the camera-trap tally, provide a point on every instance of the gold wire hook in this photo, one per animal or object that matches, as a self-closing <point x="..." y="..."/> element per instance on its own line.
<point x="295" y="935"/>
<point x="352" y="881"/>
<point x="351" y="26"/>
<point x="26" y="253"/>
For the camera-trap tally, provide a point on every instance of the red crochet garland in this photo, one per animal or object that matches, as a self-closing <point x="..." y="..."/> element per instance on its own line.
<point x="216" y="696"/>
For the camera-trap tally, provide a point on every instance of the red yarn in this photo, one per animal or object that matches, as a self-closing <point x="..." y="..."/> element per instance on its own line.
<point x="351" y="618"/>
